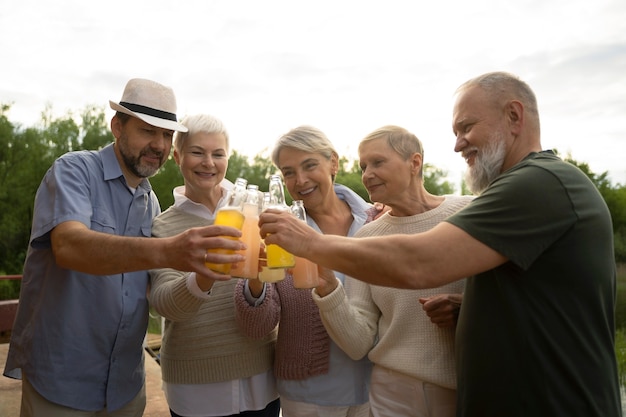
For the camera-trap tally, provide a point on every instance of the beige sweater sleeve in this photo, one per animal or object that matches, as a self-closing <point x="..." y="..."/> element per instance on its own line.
<point x="351" y="324"/>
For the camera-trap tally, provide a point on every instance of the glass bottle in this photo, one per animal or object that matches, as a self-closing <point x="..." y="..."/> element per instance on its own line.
<point x="230" y="214"/>
<point x="278" y="257"/>
<point x="305" y="272"/>
<point x="266" y="274"/>
<point x="252" y="206"/>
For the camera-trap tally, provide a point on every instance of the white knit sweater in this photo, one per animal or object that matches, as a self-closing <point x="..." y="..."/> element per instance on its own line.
<point x="202" y="341"/>
<point x="388" y="324"/>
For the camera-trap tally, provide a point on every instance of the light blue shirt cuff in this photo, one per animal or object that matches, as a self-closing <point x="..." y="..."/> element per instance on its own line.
<point x="250" y="298"/>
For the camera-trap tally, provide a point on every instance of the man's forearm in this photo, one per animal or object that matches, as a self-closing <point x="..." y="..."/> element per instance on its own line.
<point x="103" y="254"/>
<point x="378" y="261"/>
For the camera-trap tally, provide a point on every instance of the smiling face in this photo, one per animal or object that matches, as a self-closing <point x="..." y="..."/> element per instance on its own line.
<point x="487" y="164"/>
<point x="203" y="161"/>
<point x="386" y="174"/>
<point x="481" y="136"/>
<point x="140" y="147"/>
<point x="308" y="176"/>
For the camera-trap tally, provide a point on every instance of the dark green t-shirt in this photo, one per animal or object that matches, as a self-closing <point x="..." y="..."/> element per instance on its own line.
<point x="536" y="335"/>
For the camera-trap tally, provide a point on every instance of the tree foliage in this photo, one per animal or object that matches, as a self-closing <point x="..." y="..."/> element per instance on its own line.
<point x="27" y="153"/>
<point x="168" y="178"/>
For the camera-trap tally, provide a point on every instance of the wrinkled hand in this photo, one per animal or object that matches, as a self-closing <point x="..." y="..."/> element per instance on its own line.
<point x="187" y="251"/>
<point x="443" y="309"/>
<point x="287" y="231"/>
<point x="328" y="281"/>
<point x="377" y="210"/>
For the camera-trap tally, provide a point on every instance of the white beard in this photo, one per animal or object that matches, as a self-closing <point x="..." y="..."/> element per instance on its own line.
<point x="488" y="164"/>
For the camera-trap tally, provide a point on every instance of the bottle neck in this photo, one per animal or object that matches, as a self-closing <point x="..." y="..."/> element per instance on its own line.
<point x="277" y="193"/>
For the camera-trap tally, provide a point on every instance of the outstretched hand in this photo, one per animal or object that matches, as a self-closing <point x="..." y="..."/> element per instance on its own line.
<point x="187" y="251"/>
<point x="77" y="247"/>
<point x="287" y="231"/>
<point x="327" y="281"/>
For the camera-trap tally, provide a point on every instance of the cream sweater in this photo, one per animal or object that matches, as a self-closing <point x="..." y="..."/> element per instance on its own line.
<point x="202" y="342"/>
<point x="388" y="324"/>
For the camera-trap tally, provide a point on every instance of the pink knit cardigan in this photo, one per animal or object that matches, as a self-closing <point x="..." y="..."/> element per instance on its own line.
<point x="303" y="345"/>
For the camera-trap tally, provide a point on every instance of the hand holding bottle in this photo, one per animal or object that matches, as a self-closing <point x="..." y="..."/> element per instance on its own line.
<point x="305" y="274"/>
<point x="252" y="207"/>
<point x="278" y="257"/>
<point x="231" y="214"/>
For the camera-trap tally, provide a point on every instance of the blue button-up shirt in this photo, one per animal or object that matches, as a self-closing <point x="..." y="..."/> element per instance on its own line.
<point x="78" y="337"/>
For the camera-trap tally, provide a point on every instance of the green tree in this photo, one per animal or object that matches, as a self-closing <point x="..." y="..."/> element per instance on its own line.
<point x="14" y="190"/>
<point x="95" y="130"/>
<point x="26" y="155"/>
<point x="349" y="174"/>
<point x="60" y="134"/>
<point x="164" y="182"/>
<point x="435" y="181"/>
<point x="258" y="172"/>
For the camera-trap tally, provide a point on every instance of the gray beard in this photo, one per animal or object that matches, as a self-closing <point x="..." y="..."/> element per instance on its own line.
<point x="134" y="164"/>
<point x="487" y="166"/>
<point x="139" y="170"/>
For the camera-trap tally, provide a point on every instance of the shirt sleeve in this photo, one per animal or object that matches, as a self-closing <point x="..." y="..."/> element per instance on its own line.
<point x="350" y="317"/>
<point x="514" y="217"/>
<point x="254" y="301"/>
<point x="63" y="195"/>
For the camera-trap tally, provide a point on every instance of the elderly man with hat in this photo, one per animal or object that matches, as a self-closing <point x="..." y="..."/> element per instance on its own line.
<point x="83" y="312"/>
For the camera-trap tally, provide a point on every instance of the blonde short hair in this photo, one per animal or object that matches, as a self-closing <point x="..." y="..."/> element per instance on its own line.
<point x="403" y="142"/>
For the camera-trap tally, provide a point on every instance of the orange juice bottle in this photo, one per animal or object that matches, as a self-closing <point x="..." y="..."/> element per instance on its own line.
<point x="249" y="267"/>
<point x="226" y="216"/>
<point x="271" y="275"/>
<point x="305" y="272"/>
<point x="231" y="215"/>
<point x="267" y="274"/>
<point x="278" y="257"/>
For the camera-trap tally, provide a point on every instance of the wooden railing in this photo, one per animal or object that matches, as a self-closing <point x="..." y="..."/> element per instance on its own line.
<point x="10" y="277"/>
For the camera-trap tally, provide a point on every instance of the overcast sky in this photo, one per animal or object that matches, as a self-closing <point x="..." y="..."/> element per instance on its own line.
<point x="346" y="67"/>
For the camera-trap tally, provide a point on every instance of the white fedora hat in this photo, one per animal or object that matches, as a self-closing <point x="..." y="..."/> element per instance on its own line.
<point x="151" y="102"/>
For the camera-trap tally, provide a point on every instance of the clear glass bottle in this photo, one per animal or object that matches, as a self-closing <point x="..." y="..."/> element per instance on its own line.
<point x="278" y="257"/>
<point x="305" y="272"/>
<point x="266" y="274"/>
<point x="252" y="206"/>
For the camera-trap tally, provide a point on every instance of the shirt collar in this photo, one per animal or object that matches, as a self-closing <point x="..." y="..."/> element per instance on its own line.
<point x="182" y="202"/>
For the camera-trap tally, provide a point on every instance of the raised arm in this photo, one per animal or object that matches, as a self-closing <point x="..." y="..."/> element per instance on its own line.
<point x="425" y="260"/>
<point x="77" y="247"/>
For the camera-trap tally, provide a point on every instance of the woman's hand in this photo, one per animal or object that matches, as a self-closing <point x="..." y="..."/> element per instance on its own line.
<point x="328" y="281"/>
<point x="443" y="309"/>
